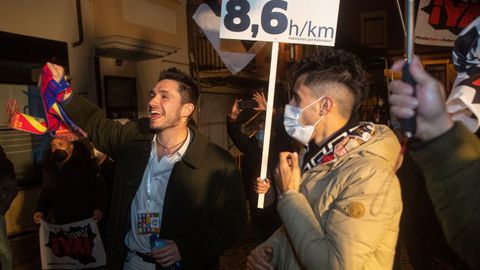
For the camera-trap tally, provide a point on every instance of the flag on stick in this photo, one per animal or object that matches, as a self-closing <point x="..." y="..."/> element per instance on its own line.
<point x="464" y="100"/>
<point x="235" y="54"/>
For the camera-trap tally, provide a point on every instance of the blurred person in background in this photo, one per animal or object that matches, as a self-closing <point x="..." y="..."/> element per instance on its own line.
<point x="265" y="221"/>
<point x="106" y="167"/>
<point x="8" y="192"/>
<point x="73" y="188"/>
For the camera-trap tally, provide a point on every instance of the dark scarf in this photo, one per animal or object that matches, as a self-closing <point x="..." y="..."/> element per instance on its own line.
<point x="352" y="135"/>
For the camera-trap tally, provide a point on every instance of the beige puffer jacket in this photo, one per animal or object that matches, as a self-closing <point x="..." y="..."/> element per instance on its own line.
<point x="347" y="213"/>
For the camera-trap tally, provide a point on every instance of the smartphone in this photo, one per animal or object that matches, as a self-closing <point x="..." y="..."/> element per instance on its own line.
<point x="247" y="104"/>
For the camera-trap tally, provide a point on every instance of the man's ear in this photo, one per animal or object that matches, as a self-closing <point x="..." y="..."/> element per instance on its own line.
<point x="187" y="109"/>
<point x="326" y="105"/>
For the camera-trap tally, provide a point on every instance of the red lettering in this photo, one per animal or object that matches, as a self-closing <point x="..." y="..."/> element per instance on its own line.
<point x="66" y="244"/>
<point x="435" y="15"/>
<point x="54" y="245"/>
<point x="476" y="82"/>
<point x="473" y="11"/>
<point x="78" y="247"/>
<point x="86" y="246"/>
<point x="453" y="13"/>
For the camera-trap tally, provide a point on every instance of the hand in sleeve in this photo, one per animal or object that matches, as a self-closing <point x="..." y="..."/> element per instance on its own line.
<point x="259" y="259"/>
<point x="167" y="255"/>
<point x="97" y="215"/>
<point x="37" y="217"/>
<point x="261" y="186"/>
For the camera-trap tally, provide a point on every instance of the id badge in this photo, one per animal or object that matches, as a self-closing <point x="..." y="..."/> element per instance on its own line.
<point x="148" y="222"/>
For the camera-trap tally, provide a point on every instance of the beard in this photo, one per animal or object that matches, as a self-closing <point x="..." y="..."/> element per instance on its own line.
<point x="166" y="122"/>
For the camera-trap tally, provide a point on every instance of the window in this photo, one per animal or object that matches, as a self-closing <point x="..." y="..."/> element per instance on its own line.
<point x="374" y="29"/>
<point x="121" y="97"/>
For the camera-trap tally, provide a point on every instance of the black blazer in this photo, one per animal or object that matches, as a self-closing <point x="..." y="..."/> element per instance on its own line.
<point x="204" y="209"/>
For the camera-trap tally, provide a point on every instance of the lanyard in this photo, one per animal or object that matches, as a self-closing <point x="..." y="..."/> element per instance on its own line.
<point x="165" y="161"/>
<point x="149" y="186"/>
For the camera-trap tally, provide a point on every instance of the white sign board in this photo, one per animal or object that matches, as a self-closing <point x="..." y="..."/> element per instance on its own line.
<point x="290" y="21"/>
<point x="74" y="245"/>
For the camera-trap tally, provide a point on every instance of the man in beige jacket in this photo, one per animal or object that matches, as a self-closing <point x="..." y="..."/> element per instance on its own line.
<point x="341" y="205"/>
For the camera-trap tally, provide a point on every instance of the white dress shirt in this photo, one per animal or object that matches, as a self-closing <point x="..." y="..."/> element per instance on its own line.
<point x="154" y="185"/>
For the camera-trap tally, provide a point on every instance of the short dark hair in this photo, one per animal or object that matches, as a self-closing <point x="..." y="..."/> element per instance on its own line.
<point x="187" y="86"/>
<point x="332" y="66"/>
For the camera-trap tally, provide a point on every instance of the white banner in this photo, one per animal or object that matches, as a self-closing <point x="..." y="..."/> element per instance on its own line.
<point x="439" y="22"/>
<point x="464" y="100"/>
<point x="71" y="246"/>
<point x="290" y="21"/>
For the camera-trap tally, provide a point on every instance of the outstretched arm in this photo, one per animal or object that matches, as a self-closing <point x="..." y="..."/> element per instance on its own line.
<point x="449" y="158"/>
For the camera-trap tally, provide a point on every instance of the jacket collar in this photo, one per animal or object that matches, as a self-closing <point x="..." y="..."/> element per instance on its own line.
<point x="196" y="152"/>
<point x="383" y="144"/>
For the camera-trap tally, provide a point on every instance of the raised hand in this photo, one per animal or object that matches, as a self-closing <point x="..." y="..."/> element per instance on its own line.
<point x="259" y="97"/>
<point x="58" y="72"/>
<point x="53" y="90"/>
<point x="235" y="111"/>
<point x="11" y="106"/>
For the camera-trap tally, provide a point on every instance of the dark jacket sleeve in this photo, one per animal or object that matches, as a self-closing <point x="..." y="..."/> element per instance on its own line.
<point x="270" y="200"/>
<point x="8" y="184"/>
<point x="49" y="176"/>
<point x="108" y="136"/>
<point x="100" y="193"/>
<point x="205" y="243"/>
<point x="240" y="139"/>
<point x="451" y="165"/>
<point x="43" y="203"/>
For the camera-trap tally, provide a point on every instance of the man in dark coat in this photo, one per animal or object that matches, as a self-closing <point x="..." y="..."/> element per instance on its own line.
<point x="189" y="188"/>
<point x="8" y="192"/>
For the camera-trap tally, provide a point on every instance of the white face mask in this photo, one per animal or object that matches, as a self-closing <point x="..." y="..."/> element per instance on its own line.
<point x="291" y="121"/>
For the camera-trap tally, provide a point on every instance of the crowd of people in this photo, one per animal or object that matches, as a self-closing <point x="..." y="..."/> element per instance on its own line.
<point x="335" y="202"/>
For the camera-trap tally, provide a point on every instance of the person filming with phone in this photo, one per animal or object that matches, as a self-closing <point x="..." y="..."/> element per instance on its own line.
<point x="266" y="220"/>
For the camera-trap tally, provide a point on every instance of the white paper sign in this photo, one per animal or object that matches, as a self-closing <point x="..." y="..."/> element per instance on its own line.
<point x="290" y="21"/>
<point x="439" y="22"/>
<point x="71" y="246"/>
